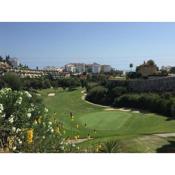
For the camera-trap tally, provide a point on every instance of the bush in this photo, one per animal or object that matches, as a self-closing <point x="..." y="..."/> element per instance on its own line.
<point x="97" y="95"/>
<point x="13" y="81"/>
<point x="133" y="75"/>
<point x="2" y="83"/>
<point x="118" y="91"/>
<point x="25" y="124"/>
<point x="147" y="101"/>
<point x="70" y="83"/>
<point x="91" y="85"/>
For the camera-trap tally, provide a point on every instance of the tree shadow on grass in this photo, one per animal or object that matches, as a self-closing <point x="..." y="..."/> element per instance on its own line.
<point x="170" y="118"/>
<point x="168" y="148"/>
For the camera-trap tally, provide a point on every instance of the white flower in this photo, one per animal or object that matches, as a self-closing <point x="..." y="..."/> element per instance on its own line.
<point x="14" y="148"/>
<point x="19" y="100"/>
<point x="0" y="111"/>
<point x="3" y="116"/>
<point x="62" y="147"/>
<point x="44" y="137"/>
<point x="31" y="109"/>
<point x="18" y="130"/>
<point x="32" y="105"/>
<point x="1" y="107"/>
<point x="11" y="119"/>
<point x="6" y="90"/>
<point x="46" y="110"/>
<point x="50" y="123"/>
<point x="73" y="145"/>
<point x="19" y="141"/>
<point x="29" y="115"/>
<point x="28" y="94"/>
<point x="52" y="130"/>
<point x="13" y="129"/>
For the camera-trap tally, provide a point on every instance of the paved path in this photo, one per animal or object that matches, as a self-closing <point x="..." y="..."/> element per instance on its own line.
<point x="107" y="108"/>
<point x="73" y="141"/>
<point x="165" y="135"/>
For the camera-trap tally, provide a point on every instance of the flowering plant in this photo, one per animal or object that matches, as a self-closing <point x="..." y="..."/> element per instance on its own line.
<point x="25" y="124"/>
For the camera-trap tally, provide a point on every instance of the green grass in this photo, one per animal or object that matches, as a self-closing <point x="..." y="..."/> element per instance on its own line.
<point x="128" y="122"/>
<point x="129" y="127"/>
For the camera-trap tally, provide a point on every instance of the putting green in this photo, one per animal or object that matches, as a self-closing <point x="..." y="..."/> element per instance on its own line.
<point x="105" y="120"/>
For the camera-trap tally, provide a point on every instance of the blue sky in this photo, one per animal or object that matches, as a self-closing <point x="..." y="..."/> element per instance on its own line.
<point x="118" y="44"/>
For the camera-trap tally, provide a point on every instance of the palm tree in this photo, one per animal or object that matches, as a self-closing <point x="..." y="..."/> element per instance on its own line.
<point x="131" y="66"/>
<point x="112" y="146"/>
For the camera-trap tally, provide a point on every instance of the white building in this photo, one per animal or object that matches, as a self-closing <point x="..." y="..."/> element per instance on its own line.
<point x="70" y="68"/>
<point x="80" y="67"/>
<point x="75" y="67"/>
<point x="96" y="68"/>
<point x="167" y="68"/>
<point x="53" y="68"/>
<point x="88" y="68"/>
<point x="106" y="68"/>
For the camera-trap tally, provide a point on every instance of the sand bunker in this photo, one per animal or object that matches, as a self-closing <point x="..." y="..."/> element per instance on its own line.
<point x="51" y="94"/>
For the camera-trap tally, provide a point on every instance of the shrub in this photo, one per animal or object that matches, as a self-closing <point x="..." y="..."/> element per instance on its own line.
<point x="110" y="147"/>
<point x="25" y="124"/>
<point x="133" y="75"/>
<point x="147" y="101"/>
<point x="13" y="81"/>
<point x="97" y="95"/>
<point x="118" y="91"/>
<point x="91" y="85"/>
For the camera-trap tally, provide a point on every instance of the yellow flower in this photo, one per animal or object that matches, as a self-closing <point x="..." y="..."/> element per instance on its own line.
<point x="97" y="150"/>
<point x="99" y="146"/>
<point x="57" y="130"/>
<point x="35" y="122"/>
<point x="10" y="142"/>
<point x="30" y="136"/>
<point x="75" y="137"/>
<point x="78" y="136"/>
<point x="6" y="150"/>
<point x="39" y="120"/>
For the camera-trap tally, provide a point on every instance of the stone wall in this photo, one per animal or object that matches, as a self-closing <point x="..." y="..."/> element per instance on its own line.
<point x="155" y="84"/>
